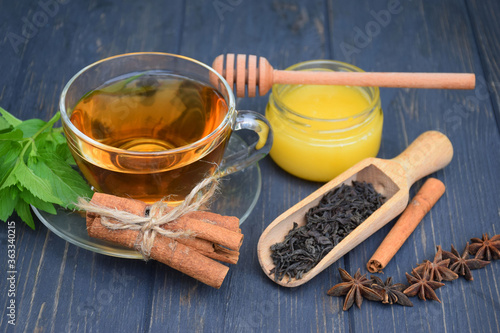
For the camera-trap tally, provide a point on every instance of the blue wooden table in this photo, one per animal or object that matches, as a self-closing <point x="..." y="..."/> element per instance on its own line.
<point x="63" y="288"/>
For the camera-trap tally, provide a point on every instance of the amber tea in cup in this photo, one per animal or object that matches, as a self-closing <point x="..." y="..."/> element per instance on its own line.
<point x="157" y="127"/>
<point x="133" y="117"/>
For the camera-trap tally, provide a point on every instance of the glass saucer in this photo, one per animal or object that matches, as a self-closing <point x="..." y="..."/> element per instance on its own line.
<point x="238" y="195"/>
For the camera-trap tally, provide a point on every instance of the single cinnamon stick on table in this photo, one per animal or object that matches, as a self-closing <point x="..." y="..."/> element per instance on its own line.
<point x="425" y="199"/>
<point x="165" y="250"/>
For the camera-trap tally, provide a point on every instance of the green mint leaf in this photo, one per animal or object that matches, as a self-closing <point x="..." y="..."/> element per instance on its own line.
<point x="31" y="126"/>
<point x="10" y="151"/>
<point x="35" y="168"/>
<point x="13" y="121"/>
<point x="38" y="203"/>
<point x="43" y="141"/>
<point x="10" y="178"/>
<point x="57" y="137"/>
<point x="64" y="152"/>
<point x="24" y="212"/>
<point x="4" y="125"/>
<point x="8" y="201"/>
<point x="50" y="139"/>
<point x="67" y="183"/>
<point x="15" y="134"/>
<point x="38" y="186"/>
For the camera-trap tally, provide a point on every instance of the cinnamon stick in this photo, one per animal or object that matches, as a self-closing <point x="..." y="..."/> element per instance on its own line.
<point x="208" y="248"/>
<point x="211" y="250"/>
<point x="215" y="228"/>
<point x="229" y="222"/>
<point x="421" y="204"/>
<point x="208" y="231"/>
<point x="165" y="250"/>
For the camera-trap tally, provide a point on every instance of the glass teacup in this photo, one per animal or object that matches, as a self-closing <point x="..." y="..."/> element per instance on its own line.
<point x="151" y="126"/>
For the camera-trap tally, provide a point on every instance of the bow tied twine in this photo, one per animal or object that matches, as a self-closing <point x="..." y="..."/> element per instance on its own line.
<point x="159" y="214"/>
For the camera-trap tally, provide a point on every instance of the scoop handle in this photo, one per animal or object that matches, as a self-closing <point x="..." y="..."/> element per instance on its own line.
<point x="430" y="152"/>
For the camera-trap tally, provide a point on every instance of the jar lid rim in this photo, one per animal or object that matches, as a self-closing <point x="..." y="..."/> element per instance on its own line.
<point x="322" y="64"/>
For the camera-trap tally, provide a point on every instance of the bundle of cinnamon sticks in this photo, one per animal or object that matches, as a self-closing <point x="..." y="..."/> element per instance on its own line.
<point x="216" y="237"/>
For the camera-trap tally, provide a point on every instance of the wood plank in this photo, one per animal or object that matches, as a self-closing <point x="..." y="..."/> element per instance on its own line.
<point x="429" y="37"/>
<point x="294" y="31"/>
<point x="485" y="22"/>
<point x="62" y="288"/>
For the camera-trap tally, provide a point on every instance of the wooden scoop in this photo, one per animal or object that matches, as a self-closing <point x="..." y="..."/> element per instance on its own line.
<point x="264" y="76"/>
<point x="430" y="152"/>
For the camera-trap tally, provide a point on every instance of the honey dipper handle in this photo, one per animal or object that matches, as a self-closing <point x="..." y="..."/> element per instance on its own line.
<point x="376" y="79"/>
<point x="430" y="152"/>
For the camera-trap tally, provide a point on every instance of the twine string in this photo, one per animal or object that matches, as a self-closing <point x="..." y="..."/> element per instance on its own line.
<point x="151" y="225"/>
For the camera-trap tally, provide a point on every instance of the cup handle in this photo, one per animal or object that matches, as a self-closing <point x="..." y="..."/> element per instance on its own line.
<point x="245" y="157"/>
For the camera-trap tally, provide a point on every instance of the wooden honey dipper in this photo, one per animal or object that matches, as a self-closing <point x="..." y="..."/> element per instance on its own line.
<point x="264" y="76"/>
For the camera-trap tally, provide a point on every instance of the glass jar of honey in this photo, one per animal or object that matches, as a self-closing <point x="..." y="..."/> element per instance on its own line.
<point x="322" y="130"/>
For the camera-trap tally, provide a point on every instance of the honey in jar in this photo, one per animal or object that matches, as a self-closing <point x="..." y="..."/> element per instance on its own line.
<point x="322" y="130"/>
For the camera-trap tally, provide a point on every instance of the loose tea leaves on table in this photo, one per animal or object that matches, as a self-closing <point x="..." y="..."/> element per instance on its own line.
<point x="339" y="212"/>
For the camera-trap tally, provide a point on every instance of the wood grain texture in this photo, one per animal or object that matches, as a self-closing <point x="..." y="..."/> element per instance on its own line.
<point x="241" y="74"/>
<point x="430" y="152"/>
<point x="424" y="36"/>
<point x="485" y="22"/>
<point x="62" y="288"/>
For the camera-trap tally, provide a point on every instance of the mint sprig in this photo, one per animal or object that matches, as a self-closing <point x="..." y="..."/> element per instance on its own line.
<point x="35" y="168"/>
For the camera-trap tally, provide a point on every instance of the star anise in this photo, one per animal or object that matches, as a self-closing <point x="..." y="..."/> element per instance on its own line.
<point x="462" y="265"/>
<point x="390" y="293"/>
<point x="486" y="248"/>
<point x="438" y="268"/>
<point x="422" y="285"/>
<point x="355" y="288"/>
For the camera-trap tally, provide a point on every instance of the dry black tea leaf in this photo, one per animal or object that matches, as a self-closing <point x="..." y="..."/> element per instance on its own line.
<point x="338" y="213"/>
